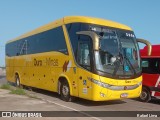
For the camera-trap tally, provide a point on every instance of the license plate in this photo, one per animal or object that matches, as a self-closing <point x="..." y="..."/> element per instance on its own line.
<point x="124" y="95"/>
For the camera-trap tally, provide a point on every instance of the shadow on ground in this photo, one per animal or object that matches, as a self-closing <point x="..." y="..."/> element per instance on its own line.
<point x="2" y="76"/>
<point x="153" y="101"/>
<point x="77" y="100"/>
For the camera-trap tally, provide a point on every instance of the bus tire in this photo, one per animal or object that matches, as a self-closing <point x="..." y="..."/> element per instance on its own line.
<point x="17" y="80"/>
<point x="65" y="91"/>
<point x="145" y="95"/>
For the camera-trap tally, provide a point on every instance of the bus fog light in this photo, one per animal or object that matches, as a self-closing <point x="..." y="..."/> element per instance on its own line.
<point x="102" y="95"/>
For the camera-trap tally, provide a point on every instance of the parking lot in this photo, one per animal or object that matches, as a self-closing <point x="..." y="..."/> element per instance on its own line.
<point x="49" y="101"/>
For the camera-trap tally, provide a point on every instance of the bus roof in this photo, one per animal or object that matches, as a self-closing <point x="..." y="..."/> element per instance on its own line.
<point x="73" y="19"/>
<point x="92" y="20"/>
<point x="154" y="54"/>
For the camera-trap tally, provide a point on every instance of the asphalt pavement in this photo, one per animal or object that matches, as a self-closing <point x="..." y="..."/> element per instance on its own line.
<point x="50" y="101"/>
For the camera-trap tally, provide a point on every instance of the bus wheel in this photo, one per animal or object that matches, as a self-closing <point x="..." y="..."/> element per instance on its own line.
<point x="18" y="84"/>
<point x="65" y="91"/>
<point x="145" y="95"/>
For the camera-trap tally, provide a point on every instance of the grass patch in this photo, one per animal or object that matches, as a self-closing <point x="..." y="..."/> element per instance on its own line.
<point x="6" y="86"/>
<point x="18" y="91"/>
<point x="13" y="90"/>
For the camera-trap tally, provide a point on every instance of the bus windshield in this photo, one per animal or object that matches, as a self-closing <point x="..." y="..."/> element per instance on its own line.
<point x="118" y="54"/>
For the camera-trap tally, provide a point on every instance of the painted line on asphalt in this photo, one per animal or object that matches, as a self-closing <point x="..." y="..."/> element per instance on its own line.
<point x="72" y="109"/>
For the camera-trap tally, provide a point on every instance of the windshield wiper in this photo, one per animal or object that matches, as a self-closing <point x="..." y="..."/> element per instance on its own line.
<point x="121" y="59"/>
<point x="131" y="66"/>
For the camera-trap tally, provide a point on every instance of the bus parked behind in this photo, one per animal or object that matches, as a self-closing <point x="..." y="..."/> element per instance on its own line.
<point x="151" y="73"/>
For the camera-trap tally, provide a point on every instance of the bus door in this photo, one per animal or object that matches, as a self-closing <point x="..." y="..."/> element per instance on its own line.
<point x="84" y="70"/>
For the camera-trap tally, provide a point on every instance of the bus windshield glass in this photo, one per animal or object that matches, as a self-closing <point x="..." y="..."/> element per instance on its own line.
<point x="118" y="54"/>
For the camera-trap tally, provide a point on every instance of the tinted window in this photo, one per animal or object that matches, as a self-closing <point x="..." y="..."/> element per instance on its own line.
<point x="51" y="40"/>
<point x="151" y="66"/>
<point x="11" y="49"/>
<point x="84" y="52"/>
<point x="72" y="29"/>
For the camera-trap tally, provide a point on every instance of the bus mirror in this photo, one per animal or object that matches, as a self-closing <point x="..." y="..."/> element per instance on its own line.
<point x="146" y="42"/>
<point x="94" y="37"/>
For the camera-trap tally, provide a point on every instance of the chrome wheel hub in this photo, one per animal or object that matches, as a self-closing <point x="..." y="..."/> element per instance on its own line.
<point x="143" y="95"/>
<point x="18" y="83"/>
<point x="65" y="90"/>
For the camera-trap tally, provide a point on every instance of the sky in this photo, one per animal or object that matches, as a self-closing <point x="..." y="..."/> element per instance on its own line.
<point x="20" y="16"/>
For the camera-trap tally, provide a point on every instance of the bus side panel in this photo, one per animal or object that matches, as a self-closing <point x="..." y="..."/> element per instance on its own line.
<point x="157" y="94"/>
<point x="45" y="69"/>
<point x="84" y="84"/>
<point x="150" y="79"/>
<point x="9" y="69"/>
<point x="39" y="71"/>
<point x="20" y="68"/>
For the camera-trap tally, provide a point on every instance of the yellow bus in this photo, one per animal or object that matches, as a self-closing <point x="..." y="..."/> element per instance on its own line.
<point x="77" y="56"/>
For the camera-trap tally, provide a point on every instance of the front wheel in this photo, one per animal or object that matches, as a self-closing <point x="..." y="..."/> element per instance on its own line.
<point x="65" y="92"/>
<point x="145" y="95"/>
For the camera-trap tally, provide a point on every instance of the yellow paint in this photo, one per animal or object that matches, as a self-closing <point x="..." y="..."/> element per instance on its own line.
<point x="46" y="76"/>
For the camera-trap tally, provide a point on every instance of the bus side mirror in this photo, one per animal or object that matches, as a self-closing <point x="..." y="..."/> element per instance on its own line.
<point x="146" y="42"/>
<point x="94" y="37"/>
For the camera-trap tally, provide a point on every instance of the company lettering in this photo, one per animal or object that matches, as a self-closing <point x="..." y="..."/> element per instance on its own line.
<point x="37" y="62"/>
<point x="51" y="62"/>
<point x="46" y="62"/>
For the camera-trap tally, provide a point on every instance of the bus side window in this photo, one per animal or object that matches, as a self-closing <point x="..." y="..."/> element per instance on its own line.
<point x="145" y="66"/>
<point x="150" y="66"/>
<point x="83" y="56"/>
<point x="154" y="66"/>
<point x="159" y="66"/>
